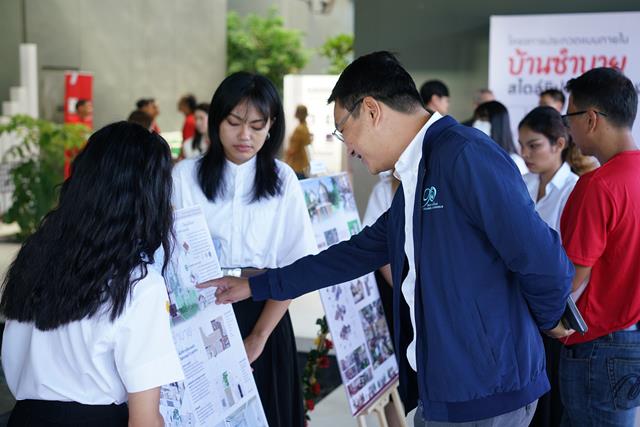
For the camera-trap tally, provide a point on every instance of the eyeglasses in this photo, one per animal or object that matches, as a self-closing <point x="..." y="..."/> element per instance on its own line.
<point x="565" y="117"/>
<point x="338" y="132"/>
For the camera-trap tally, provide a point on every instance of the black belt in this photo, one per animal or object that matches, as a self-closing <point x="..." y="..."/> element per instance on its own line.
<point x="47" y="412"/>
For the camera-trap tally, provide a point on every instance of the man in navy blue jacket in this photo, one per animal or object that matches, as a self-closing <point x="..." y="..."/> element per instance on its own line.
<point x="476" y="272"/>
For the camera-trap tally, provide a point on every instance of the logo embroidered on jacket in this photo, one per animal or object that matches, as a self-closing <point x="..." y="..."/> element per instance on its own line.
<point x="429" y="199"/>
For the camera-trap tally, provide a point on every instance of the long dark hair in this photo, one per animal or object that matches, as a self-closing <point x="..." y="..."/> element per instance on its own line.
<point x="113" y="213"/>
<point x="196" y="142"/>
<point x="497" y="114"/>
<point x="548" y="122"/>
<point x="262" y="94"/>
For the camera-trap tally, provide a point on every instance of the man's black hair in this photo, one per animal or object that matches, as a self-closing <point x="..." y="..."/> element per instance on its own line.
<point x="554" y="94"/>
<point x="431" y="88"/>
<point x="608" y="91"/>
<point x="143" y="102"/>
<point x="81" y="103"/>
<point x="380" y="76"/>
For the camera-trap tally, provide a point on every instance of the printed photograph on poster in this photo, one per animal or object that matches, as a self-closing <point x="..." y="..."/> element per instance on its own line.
<point x="327" y="195"/>
<point x="377" y="333"/>
<point x="215" y="340"/>
<point x="360" y="382"/>
<point x="247" y="415"/>
<point x="355" y="362"/>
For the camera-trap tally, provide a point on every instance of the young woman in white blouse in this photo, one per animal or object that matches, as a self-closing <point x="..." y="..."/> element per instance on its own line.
<point x="88" y="326"/>
<point x="546" y="147"/>
<point x="258" y="219"/>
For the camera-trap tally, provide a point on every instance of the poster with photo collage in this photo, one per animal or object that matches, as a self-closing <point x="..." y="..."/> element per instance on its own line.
<point x="354" y="312"/>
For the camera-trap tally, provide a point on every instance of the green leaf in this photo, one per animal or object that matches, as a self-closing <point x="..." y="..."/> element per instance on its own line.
<point x="39" y="158"/>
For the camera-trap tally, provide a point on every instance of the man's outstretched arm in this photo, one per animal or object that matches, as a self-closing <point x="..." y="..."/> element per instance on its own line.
<point x="363" y="253"/>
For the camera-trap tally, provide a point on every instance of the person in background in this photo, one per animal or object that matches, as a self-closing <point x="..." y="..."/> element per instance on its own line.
<point x="552" y="98"/>
<point x="435" y="95"/>
<point x="479" y="97"/>
<point x="599" y="371"/>
<point x="257" y="216"/>
<point x="296" y="155"/>
<point x="198" y="144"/>
<point x="187" y="106"/>
<point x="141" y="118"/>
<point x="492" y="118"/>
<point x="546" y="147"/>
<point x="150" y="107"/>
<point x="83" y="116"/>
<point x="87" y="340"/>
<point x="84" y="113"/>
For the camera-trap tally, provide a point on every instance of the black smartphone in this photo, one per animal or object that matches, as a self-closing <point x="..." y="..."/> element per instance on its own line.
<point x="572" y="319"/>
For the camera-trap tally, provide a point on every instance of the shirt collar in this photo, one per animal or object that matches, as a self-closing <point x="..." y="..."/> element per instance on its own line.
<point x="560" y="178"/>
<point x="245" y="168"/>
<point x="410" y="157"/>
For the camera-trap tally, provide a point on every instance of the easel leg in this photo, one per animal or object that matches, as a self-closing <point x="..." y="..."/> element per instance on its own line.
<point x="399" y="407"/>
<point x="382" y="420"/>
<point x="362" y="421"/>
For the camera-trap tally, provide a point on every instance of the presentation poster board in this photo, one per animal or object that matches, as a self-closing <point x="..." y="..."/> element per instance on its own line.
<point x="532" y="53"/>
<point x="354" y="312"/>
<point x="219" y="389"/>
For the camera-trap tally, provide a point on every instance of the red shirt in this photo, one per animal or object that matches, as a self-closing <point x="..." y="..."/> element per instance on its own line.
<point x="87" y="121"/>
<point x="601" y="229"/>
<point x="189" y="127"/>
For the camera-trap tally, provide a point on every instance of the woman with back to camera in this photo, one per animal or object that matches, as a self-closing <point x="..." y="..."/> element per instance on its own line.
<point x="258" y="219"/>
<point x="88" y="328"/>
<point x="492" y="118"/>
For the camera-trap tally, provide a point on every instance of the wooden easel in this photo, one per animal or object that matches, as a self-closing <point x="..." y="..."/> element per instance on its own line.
<point x="377" y="407"/>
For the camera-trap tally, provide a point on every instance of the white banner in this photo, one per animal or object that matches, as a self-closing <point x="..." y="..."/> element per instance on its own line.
<point x="532" y="53"/>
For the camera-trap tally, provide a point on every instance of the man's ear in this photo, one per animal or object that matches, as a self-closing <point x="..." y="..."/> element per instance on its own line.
<point x="593" y="120"/>
<point x="372" y="108"/>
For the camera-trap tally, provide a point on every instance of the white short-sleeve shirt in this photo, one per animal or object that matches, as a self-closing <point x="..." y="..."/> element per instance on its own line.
<point x="557" y="192"/>
<point x="268" y="233"/>
<point x="95" y="361"/>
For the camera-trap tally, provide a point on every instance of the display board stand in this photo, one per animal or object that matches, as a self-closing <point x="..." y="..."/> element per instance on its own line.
<point x="378" y="405"/>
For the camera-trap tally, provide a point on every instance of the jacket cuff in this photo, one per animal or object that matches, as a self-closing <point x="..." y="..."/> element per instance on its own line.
<point x="260" y="288"/>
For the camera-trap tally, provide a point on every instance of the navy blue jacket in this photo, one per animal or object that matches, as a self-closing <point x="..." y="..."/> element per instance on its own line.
<point x="489" y="274"/>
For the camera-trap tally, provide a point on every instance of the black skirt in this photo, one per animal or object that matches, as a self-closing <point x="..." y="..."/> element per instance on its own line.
<point x="549" y="410"/>
<point x="45" y="413"/>
<point x="276" y="370"/>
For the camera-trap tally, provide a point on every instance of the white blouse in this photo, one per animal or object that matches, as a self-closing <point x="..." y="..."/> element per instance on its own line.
<point x="95" y="361"/>
<point x="556" y="194"/>
<point x="269" y="233"/>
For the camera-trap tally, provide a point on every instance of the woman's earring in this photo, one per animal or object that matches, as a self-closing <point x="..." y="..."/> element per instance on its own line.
<point x="268" y="135"/>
